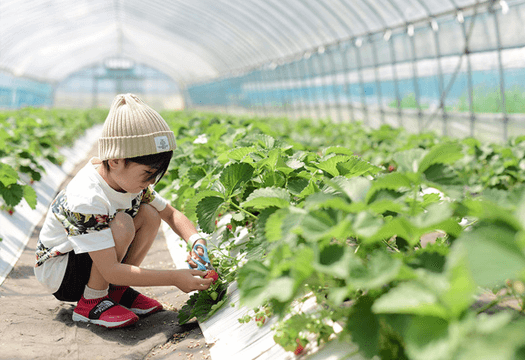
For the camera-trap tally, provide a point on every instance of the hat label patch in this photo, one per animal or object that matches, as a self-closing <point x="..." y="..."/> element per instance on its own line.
<point x="162" y="143"/>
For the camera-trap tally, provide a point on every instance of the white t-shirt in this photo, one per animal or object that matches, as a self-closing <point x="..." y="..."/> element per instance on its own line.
<point x="78" y="220"/>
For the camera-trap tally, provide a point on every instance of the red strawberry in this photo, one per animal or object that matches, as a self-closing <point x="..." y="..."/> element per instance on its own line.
<point x="391" y="168"/>
<point x="212" y="274"/>
<point x="10" y="211"/>
<point x="229" y="226"/>
<point x="260" y="320"/>
<point x="299" y="348"/>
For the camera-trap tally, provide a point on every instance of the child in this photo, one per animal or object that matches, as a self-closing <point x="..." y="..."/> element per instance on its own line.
<point x="100" y="227"/>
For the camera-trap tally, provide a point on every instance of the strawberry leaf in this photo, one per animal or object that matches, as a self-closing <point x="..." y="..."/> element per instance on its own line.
<point x="240" y="154"/>
<point x="356" y="166"/>
<point x="268" y="197"/>
<point x="207" y="211"/>
<point x="191" y="207"/>
<point x="393" y="181"/>
<point x="446" y="153"/>
<point x="8" y="175"/>
<point x="410" y="298"/>
<point x="12" y="194"/>
<point x="235" y="175"/>
<point x="30" y="196"/>
<point x="330" y="165"/>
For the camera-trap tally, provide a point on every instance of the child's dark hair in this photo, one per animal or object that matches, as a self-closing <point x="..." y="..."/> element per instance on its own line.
<point x="159" y="162"/>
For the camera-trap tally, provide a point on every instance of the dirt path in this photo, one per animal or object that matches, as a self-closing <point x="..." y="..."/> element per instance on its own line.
<point x="34" y="325"/>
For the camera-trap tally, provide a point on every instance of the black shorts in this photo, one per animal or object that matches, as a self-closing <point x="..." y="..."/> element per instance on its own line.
<point x="76" y="277"/>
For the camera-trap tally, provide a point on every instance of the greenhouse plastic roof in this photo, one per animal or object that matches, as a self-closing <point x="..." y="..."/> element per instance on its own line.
<point x="191" y="40"/>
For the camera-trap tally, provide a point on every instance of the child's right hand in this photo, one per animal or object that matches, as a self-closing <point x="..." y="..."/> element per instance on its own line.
<point x="190" y="280"/>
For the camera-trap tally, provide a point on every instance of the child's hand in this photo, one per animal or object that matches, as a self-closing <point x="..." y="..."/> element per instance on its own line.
<point x="192" y="255"/>
<point x="190" y="280"/>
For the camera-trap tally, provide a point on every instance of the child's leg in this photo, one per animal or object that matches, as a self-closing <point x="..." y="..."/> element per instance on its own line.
<point x="147" y="223"/>
<point x="133" y="239"/>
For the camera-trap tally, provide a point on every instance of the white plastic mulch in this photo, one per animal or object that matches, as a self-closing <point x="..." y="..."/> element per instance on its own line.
<point x="232" y="340"/>
<point x="16" y="229"/>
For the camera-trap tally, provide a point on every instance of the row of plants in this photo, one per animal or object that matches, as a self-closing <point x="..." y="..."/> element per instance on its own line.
<point x="30" y="135"/>
<point x="335" y="214"/>
<point x="484" y="100"/>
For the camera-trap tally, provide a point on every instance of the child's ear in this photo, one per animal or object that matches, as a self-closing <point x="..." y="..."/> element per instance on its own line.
<point x="115" y="163"/>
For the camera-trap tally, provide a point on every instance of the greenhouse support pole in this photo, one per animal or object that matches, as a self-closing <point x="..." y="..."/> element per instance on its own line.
<point x="267" y="94"/>
<point x="361" y="81"/>
<point x="94" y="91"/>
<point x="14" y="97"/>
<point x="441" y="81"/>
<point x="337" y="94"/>
<point x="378" y="82"/>
<point x="262" y="92"/>
<point x="501" y="75"/>
<point x="415" y="79"/>
<point x="301" y="89"/>
<point x="320" y="89"/>
<point x="294" y="108"/>
<point x="396" y="81"/>
<point x="469" y="77"/>
<point x="313" y="91"/>
<point x="324" y="80"/>
<point x="347" y="82"/>
<point x="52" y="96"/>
<point x="285" y="74"/>
<point x="262" y="88"/>
<point x="253" y="89"/>
<point x="281" y="97"/>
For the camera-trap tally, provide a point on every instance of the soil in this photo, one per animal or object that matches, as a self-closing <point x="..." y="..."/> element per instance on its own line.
<point x="34" y="325"/>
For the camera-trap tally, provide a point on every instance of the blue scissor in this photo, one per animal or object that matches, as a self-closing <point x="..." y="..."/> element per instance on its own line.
<point x="204" y="257"/>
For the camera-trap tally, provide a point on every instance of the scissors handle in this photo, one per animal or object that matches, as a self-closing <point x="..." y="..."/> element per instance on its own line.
<point x="204" y="257"/>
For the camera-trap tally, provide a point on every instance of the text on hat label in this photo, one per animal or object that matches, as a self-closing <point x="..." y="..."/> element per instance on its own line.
<point x="162" y="143"/>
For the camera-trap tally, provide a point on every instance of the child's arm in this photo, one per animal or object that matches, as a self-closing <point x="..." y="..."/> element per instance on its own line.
<point x="183" y="227"/>
<point x="115" y="272"/>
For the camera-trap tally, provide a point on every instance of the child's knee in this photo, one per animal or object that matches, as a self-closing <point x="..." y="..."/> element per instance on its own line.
<point x="149" y="215"/>
<point x="123" y="228"/>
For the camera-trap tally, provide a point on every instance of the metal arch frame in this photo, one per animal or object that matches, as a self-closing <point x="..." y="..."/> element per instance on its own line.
<point x="349" y="31"/>
<point x="278" y="4"/>
<point x="376" y="61"/>
<point x="271" y="11"/>
<point x="324" y="103"/>
<point x="299" y="25"/>
<point x="245" y="20"/>
<point x="195" y="12"/>
<point x="279" y="24"/>
<point x="29" y="19"/>
<point x="359" y="62"/>
<point x="501" y="74"/>
<point x="17" y="54"/>
<point x="205" y="54"/>
<point x="369" y="35"/>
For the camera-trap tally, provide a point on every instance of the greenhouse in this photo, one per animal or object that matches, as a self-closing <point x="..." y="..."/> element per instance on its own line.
<point x="355" y="170"/>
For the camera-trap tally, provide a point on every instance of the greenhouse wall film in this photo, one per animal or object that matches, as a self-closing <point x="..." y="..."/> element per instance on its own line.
<point x="356" y="168"/>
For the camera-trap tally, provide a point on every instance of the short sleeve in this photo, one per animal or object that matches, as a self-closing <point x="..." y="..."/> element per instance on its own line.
<point x="153" y="198"/>
<point x="87" y="229"/>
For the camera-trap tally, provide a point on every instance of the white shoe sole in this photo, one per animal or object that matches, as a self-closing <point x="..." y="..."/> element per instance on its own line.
<point x="108" y="324"/>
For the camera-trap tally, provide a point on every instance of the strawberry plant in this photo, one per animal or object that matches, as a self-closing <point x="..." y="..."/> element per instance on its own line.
<point x="334" y="214"/>
<point x="27" y="137"/>
<point x="203" y="304"/>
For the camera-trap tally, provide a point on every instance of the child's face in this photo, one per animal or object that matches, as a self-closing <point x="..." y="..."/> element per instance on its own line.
<point x="131" y="178"/>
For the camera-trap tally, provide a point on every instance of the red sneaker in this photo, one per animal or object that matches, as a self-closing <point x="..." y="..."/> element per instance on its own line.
<point x="103" y="311"/>
<point x="133" y="300"/>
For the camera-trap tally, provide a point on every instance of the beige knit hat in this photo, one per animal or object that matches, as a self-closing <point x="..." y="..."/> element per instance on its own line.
<point x="133" y="129"/>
